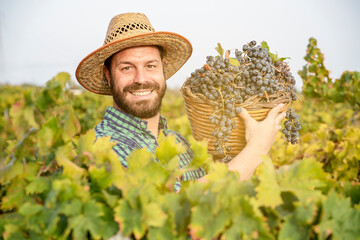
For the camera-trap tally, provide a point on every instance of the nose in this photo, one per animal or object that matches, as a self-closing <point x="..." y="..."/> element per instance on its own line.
<point x="140" y="76"/>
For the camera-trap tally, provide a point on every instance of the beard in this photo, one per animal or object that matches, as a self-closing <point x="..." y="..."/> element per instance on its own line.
<point x="142" y="109"/>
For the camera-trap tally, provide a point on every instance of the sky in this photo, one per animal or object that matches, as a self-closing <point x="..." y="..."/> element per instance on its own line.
<point x="39" y="38"/>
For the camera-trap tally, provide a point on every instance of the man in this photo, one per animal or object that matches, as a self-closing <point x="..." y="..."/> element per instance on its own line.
<point x="133" y="66"/>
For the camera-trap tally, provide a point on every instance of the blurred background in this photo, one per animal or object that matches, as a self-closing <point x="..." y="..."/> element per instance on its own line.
<point x="39" y="38"/>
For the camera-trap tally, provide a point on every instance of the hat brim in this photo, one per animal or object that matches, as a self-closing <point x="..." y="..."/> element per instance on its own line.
<point x="177" y="50"/>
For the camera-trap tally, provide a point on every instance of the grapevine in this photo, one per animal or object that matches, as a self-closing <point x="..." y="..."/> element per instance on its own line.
<point x="228" y="82"/>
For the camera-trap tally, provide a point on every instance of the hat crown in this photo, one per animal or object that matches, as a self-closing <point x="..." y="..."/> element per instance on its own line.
<point x="127" y="25"/>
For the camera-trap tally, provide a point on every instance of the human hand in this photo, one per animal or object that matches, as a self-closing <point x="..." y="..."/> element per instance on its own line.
<point x="262" y="135"/>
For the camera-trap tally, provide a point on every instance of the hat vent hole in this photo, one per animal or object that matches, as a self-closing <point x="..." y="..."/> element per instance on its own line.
<point x="126" y="28"/>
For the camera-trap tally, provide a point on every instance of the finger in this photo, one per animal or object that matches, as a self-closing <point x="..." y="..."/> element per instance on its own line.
<point x="275" y="111"/>
<point x="245" y="116"/>
<point x="279" y="118"/>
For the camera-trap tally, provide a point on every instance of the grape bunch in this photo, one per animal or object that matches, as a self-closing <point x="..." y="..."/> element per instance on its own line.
<point x="292" y="126"/>
<point x="228" y="82"/>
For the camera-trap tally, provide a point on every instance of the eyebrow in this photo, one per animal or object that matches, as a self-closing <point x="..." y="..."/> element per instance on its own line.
<point x="130" y="63"/>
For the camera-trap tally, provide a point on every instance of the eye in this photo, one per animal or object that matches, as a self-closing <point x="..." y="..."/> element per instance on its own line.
<point x="151" y="66"/>
<point x="127" y="68"/>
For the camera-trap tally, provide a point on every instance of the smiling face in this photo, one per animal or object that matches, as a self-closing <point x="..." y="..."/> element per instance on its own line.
<point x="137" y="81"/>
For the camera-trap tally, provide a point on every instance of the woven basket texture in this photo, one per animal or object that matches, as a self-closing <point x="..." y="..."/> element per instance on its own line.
<point x="199" y="109"/>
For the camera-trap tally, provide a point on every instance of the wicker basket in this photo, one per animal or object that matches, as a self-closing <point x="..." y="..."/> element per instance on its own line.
<point x="199" y="109"/>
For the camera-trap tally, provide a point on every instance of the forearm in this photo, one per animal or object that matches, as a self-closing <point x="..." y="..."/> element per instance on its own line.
<point x="247" y="161"/>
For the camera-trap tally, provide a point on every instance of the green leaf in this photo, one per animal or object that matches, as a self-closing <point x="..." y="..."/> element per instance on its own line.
<point x="28" y="209"/>
<point x="339" y="218"/>
<point x="268" y="190"/>
<point x="292" y="230"/>
<point x="264" y="45"/>
<point x="38" y="185"/>
<point x="247" y="221"/>
<point x="100" y="176"/>
<point x="14" y="171"/>
<point x="72" y="208"/>
<point x="201" y="155"/>
<point x="89" y="221"/>
<point x="205" y="225"/>
<point x="15" y="195"/>
<point x="298" y="225"/>
<point x="49" y="135"/>
<point x="168" y="149"/>
<point x="62" y="78"/>
<point x="29" y="116"/>
<point x="64" y="157"/>
<point x="303" y="178"/>
<point x="220" y="50"/>
<point x="154" y="215"/>
<point x="71" y="126"/>
<point x="12" y="232"/>
<point x="179" y="211"/>
<point x="86" y="142"/>
<point x="130" y="219"/>
<point x="111" y="199"/>
<point x="164" y="233"/>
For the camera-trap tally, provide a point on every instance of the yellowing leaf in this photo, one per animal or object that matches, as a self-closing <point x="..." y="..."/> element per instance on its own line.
<point x="234" y="62"/>
<point x="220" y="50"/>
<point x="30" y="117"/>
<point x="64" y="156"/>
<point x="100" y="176"/>
<point x="86" y="142"/>
<point x="201" y="155"/>
<point x="168" y="149"/>
<point x="72" y="125"/>
<point x="268" y="190"/>
<point x="154" y="215"/>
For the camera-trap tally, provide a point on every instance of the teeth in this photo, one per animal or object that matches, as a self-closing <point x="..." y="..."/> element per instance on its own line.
<point x="141" y="93"/>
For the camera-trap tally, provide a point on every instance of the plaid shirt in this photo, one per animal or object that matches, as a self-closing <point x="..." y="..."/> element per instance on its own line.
<point x="131" y="133"/>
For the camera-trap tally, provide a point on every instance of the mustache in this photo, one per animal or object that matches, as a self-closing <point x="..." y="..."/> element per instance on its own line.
<point x="140" y="86"/>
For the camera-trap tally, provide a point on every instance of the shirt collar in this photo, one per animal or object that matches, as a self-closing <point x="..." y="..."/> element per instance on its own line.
<point x="118" y="118"/>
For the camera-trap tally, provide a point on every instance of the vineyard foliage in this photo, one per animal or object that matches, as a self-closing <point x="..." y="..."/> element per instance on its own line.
<point x="57" y="183"/>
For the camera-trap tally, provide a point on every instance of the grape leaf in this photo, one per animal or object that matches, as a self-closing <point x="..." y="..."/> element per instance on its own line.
<point x="164" y="233"/>
<point x="64" y="156"/>
<point x="28" y="209"/>
<point x="130" y="219"/>
<point x="206" y="225"/>
<point x="38" y="185"/>
<point x="303" y="178"/>
<point x="234" y="62"/>
<point x="291" y="229"/>
<point x="220" y="50"/>
<point x="71" y="126"/>
<point x="89" y="221"/>
<point x="167" y="150"/>
<point x="299" y="223"/>
<point x="339" y="218"/>
<point x="200" y="154"/>
<point x="179" y="210"/>
<point x="154" y="216"/>
<point x="247" y="221"/>
<point x="268" y="190"/>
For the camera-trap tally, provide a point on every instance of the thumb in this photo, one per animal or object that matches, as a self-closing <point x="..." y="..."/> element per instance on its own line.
<point x="245" y="116"/>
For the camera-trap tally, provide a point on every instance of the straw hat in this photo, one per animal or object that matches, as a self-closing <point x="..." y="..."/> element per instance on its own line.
<point x="131" y="30"/>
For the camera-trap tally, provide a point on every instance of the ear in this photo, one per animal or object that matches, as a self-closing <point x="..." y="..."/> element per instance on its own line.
<point x="107" y="75"/>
